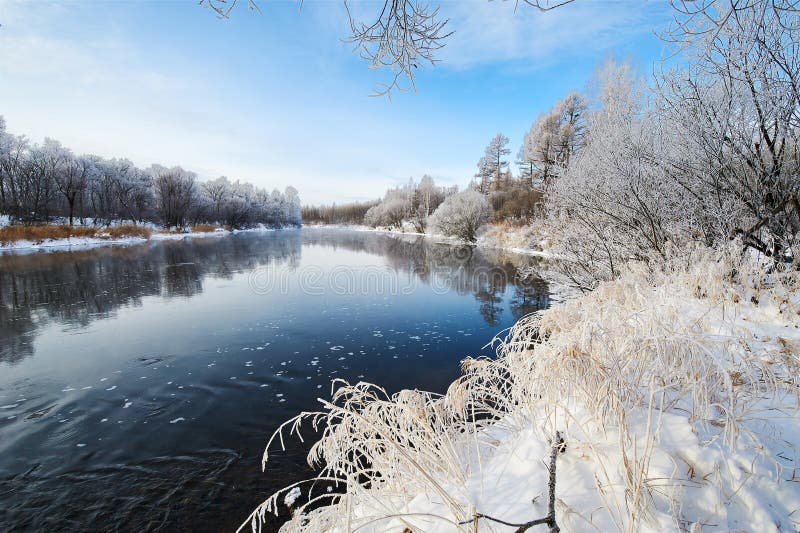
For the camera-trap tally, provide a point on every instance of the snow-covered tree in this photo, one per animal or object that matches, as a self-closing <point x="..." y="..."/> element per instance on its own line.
<point x="492" y="164"/>
<point x="39" y="182"/>
<point x="612" y="204"/>
<point x="733" y="118"/>
<point x="552" y="140"/>
<point x="292" y="214"/>
<point x="176" y="191"/>
<point x="72" y="178"/>
<point x="461" y="215"/>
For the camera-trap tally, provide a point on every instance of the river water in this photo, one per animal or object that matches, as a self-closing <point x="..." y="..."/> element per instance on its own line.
<point x="139" y="384"/>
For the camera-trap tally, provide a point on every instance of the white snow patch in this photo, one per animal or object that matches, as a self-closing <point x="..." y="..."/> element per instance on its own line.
<point x="292" y="496"/>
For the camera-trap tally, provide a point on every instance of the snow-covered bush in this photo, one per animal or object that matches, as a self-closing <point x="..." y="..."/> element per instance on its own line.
<point x="413" y="202"/>
<point x="390" y="213"/>
<point x="461" y="214"/>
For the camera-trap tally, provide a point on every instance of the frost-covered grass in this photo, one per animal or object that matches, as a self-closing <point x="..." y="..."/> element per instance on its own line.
<point x="529" y="239"/>
<point x="676" y="392"/>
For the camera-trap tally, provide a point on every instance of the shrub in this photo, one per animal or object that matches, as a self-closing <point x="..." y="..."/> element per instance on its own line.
<point x="461" y="214"/>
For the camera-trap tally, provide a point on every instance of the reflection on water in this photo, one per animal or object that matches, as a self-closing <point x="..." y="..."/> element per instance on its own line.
<point x="74" y="288"/>
<point x="138" y="384"/>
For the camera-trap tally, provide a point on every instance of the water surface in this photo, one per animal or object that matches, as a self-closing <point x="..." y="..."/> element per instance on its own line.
<point x="139" y="384"/>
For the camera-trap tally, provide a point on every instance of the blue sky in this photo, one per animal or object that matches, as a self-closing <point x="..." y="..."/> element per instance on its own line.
<point x="277" y="98"/>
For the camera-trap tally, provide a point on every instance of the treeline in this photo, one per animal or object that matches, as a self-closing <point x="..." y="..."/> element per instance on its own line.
<point x="495" y="194"/>
<point x="42" y="182"/>
<point x="347" y="213"/>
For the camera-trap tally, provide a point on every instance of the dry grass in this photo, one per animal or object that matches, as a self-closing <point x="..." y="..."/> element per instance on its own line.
<point x="653" y="342"/>
<point x="205" y="228"/>
<point x="127" y="230"/>
<point x="11" y="234"/>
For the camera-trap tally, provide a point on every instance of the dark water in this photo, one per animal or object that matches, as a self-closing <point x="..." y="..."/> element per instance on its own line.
<point x="138" y="385"/>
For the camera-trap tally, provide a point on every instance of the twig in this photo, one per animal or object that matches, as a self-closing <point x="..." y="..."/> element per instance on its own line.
<point x="558" y="447"/>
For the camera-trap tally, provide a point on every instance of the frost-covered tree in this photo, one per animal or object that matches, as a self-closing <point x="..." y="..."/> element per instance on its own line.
<point x="292" y="211"/>
<point x="492" y="164"/>
<point x="733" y="118"/>
<point x="216" y="193"/>
<point x="72" y="178"/>
<point x="412" y="203"/>
<point x="40" y="182"/>
<point x="612" y="204"/>
<point x="37" y="181"/>
<point x="175" y="192"/>
<point x="132" y="189"/>
<point x="390" y="212"/>
<point x="14" y="163"/>
<point x="552" y="140"/>
<point x="426" y="197"/>
<point x="461" y="215"/>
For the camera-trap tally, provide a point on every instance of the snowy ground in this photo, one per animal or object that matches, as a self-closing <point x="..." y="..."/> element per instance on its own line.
<point x="677" y="394"/>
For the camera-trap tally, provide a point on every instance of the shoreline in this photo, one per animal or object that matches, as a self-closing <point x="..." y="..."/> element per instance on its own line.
<point x="483" y="240"/>
<point x="85" y="243"/>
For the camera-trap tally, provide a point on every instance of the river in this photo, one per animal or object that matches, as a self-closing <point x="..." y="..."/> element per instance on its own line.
<point x="139" y="384"/>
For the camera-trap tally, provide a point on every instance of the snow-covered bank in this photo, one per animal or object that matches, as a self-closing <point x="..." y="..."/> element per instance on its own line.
<point x="517" y="239"/>
<point x="676" y="392"/>
<point x="82" y="243"/>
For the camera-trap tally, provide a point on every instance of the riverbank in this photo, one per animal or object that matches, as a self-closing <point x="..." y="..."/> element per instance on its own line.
<point x="61" y="237"/>
<point x="676" y="393"/>
<point x="524" y="240"/>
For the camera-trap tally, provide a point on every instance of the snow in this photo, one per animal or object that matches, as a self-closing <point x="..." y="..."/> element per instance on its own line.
<point x="75" y="243"/>
<point x="292" y="496"/>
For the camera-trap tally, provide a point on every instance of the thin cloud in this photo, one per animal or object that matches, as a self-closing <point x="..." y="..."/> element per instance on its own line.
<point x="492" y="32"/>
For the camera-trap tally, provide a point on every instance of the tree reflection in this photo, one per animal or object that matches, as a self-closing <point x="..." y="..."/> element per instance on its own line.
<point x="485" y="274"/>
<point x="77" y="287"/>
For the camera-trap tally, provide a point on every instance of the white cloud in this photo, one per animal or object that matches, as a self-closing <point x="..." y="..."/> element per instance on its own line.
<point x="491" y="32"/>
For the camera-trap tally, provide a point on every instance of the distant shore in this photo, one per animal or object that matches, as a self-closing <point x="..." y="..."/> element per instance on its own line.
<point x="49" y="238"/>
<point x="510" y="239"/>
